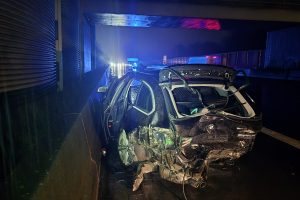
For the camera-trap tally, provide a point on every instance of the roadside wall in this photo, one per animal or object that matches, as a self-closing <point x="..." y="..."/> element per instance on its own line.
<point x="74" y="174"/>
<point x="283" y="49"/>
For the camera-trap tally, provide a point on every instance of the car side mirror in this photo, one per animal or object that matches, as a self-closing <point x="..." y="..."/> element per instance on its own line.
<point x="102" y="89"/>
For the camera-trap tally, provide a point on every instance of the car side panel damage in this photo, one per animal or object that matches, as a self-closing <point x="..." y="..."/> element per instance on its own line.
<point x="184" y="155"/>
<point x="186" y="121"/>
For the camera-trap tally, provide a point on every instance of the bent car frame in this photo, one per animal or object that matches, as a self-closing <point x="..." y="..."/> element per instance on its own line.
<point x="179" y="121"/>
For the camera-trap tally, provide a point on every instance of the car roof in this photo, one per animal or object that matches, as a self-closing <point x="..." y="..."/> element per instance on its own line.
<point x="198" y="73"/>
<point x="145" y="74"/>
<point x="154" y="73"/>
<point x="200" y="66"/>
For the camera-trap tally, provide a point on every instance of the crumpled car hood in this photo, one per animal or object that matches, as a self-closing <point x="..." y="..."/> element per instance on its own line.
<point x="185" y="154"/>
<point x="219" y="134"/>
<point x="216" y="123"/>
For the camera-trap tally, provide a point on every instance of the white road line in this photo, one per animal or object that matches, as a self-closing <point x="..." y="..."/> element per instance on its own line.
<point x="283" y="138"/>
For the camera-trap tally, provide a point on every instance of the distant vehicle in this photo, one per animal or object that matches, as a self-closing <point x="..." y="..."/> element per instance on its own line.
<point x="179" y="120"/>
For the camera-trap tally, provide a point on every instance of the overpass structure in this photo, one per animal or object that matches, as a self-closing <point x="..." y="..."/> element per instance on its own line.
<point x="264" y="10"/>
<point x="248" y="15"/>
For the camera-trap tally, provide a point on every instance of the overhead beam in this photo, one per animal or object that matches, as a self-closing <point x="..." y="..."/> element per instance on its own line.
<point x="190" y="10"/>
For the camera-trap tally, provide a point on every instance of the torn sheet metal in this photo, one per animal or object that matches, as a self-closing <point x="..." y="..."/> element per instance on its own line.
<point x="185" y="154"/>
<point x="144" y="168"/>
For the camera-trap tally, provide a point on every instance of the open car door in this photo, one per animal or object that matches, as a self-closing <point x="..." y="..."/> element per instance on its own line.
<point x="114" y="112"/>
<point x="141" y="104"/>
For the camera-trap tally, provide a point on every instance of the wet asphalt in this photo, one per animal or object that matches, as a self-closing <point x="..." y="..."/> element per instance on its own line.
<point x="270" y="171"/>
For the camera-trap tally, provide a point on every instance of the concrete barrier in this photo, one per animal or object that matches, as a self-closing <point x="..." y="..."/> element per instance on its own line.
<point x="75" y="172"/>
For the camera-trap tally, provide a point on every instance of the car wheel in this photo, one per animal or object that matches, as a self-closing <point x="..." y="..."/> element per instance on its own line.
<point x="126" y="149"/>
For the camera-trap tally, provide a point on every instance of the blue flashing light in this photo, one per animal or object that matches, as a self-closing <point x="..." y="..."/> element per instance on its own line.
<point x="197" y="60"/>
<point x="132" y="59"/>
<point x="131" y="20"/>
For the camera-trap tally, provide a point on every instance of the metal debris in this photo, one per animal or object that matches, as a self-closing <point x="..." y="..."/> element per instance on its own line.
<point x="143" y="169"/>
<point x="184" y="156"/>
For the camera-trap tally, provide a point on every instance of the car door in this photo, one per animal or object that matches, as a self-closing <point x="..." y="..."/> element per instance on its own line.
<point x="141" y="104"/>
<point x="115" y="109"/>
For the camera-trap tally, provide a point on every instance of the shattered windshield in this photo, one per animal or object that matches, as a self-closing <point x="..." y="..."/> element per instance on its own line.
<point x="191" y="102"/>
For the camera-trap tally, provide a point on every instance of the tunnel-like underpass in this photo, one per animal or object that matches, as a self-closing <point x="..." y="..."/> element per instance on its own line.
<point x="53" y="54"/>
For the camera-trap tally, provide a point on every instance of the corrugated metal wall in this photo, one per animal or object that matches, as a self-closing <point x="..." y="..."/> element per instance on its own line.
<point x="70" y="40"/>
<point x="283" y="49"/>
<point x="253" y="59"/>
<point x="27" y="44"/>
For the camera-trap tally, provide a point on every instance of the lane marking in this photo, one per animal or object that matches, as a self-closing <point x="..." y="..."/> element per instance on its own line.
<point x="283" y="138"/>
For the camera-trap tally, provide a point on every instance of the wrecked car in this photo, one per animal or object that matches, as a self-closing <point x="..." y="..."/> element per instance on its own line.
<point x="179" y="121"/>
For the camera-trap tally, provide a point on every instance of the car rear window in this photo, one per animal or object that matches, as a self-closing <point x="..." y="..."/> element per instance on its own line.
<point x="213" y="98"/>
